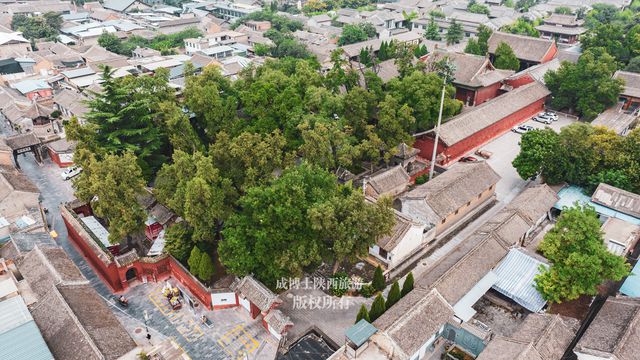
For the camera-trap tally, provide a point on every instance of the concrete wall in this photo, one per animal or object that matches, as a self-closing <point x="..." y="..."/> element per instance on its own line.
<point x="412" y="241"/>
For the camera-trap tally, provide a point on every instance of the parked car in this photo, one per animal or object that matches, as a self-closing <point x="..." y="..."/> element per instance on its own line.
<point x="70" y="172"/>
<point x="549" y="114"/>
<point x="542" y="119"/>
<point x="522" y="129"/>
<point x="484" y="153"/>
<point x="468" y="159"/>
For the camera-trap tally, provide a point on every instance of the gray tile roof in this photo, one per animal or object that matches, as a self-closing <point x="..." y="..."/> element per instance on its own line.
<point x="278" y="321"/>
<point x="255" y="292"/>
<point x="471" y="70"/>
<point x="414" y="319"/>
<point x="617" y="199"/>
<point x="540" y="337"/>
<point x="388" y="180"/>
<point x="524" y="47"/>
<point x="457" y="272"/>
<point x="614" y="331"/>
<point x="470" y="122"/>
<point x="69" y="308"/>
<point x="631" y="83"/>
<point x="446" y="193"/>
<point x="400" y="228"/>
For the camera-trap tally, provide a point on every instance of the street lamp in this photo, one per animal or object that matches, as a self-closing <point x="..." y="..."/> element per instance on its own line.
<point x="146" y="318"/>
<point x="445" y="69"/>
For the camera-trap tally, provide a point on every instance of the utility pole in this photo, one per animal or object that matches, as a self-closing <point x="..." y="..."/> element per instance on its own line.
<point x="446" y="71"/>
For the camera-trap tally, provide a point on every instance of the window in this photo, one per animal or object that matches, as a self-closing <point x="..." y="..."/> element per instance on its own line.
<point x="383" y="253"/>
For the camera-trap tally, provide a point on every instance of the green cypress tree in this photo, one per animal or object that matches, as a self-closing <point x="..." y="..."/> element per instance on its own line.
<point x="505" y="58"/>
<point x="378" y="279"/>
<point x="473" y="47"/>
<point x="382" y="53"/>
<point x="377" y="308"/>
<point x="407" y="286"/>
<point x="432" y="32"/>
<point x="363" y="314"/>
<point x="205" y="268"/>
<point x="194" y="261"/>
<point x="455" y="33"/>
<point x="394" y="295"/>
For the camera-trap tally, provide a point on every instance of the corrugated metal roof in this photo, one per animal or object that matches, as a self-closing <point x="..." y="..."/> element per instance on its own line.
<point x="516" y="275"/>
<point x="24" y="342"/>
<point x="13" y="313"/>
<point x="631" y="286"/>
<point x="360" y="332"/>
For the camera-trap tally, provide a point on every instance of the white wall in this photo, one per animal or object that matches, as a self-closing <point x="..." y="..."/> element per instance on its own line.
<point x="591" y="357"/>
<point x="411" y="242"/>
<point x="219" y="299"/>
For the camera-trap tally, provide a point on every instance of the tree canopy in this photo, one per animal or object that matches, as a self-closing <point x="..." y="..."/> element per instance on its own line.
<point x="522" y="26"/>
<point x="433" y="31"/>
<point x="295" y="221"/>
<point x="579" y="259"/>
<point x="455" y="33"/>
<point x="356" y="33"/>
<point x="588" y="86"/>
<point x="166" y="44"/>
<point x="47" y="26"/>
<point x="582" y="155"/>
<point x="506" y="58"/>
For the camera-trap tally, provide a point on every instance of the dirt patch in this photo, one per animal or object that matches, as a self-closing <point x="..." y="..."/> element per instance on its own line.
<point x="500" y="320"/>
<point x="576" y="309"/>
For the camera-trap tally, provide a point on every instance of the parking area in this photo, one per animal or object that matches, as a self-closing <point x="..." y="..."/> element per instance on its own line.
<point x="505" y="148"/>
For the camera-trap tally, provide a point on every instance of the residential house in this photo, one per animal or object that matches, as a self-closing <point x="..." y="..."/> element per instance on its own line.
<point x="605" y="207"/>
<point x="70" y="103"/>
<point x="259" y="25"/>
<point x="617" y="199"/>
<point x="614" y="333"/>
<point x="177" y="25"/>
<point x="565" y="29"/>
<point x="620" y="237"/>
<point x="142" y="52"/>
<point x="471" y="129"/>
<point x="476" y="80"/>
<point x="33" y="118"/>
<point x="14" y="42"/>
<point x="61" y="152"/>
<point x="17" y="193"/>
<point x="390" y="182"/>
<point x="232" y="10"/>
<point x="540" y="337"/>
<point x="124" y="6"/>
<point x="617" y="119"/>
<point x="34" y="89"/>
<point x="630" y="94"/>
<point x="529" y="50"/>
<point x="467" y="272"/>
<point x="407" y="237"/>
<point x="451" y="196"/>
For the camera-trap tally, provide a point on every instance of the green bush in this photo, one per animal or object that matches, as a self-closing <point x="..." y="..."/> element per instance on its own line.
<point x="422" y="179"/>
<point x="367" y="291"/>
<point x="340" y="284"/>
<point x="378" y="279"/>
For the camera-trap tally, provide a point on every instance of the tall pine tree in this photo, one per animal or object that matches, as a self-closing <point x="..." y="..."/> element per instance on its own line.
<point x="363" y="313"/>
<point x="378" y="279"/>
<point x="377" y="308"/>
<point x="433" y="31"/>
<point x="394" y="295"/>
<point x="407" y="286"/>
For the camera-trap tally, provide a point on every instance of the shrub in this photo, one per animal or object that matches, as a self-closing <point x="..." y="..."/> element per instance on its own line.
<point x="367" y="291"/>
<point x="377" y="308"/>
<point x="363" y="314"/>
<point x="422" y="179"/>
<point x="407" y="286"/>
<point x="394" y="295"/>
<point x="340" y="284"/>
<point x="378" y="279"/>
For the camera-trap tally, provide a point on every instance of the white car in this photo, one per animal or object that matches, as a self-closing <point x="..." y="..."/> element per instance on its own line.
<point x="549" y="115"/>
<point x="70" y="172"/>
<point x="522" y="129"/>
<point x="542" y="119"/>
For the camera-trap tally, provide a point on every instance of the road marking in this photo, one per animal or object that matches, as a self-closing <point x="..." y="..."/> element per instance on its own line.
<point x="191" y="331"/>
<point x="237" y="342"/>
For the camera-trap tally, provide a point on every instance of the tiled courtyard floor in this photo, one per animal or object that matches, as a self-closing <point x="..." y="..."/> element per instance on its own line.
<point x="232" y="335"/>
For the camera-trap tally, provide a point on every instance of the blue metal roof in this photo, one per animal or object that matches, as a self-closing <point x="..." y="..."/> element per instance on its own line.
<point x="572" y="194"/>
<point x="631" y="286"/>
<point x="27" y="86"/>
<point x="360" y="332"/>
<point x="516" y="274"/>
<point x="20" y="338"/>
<point x="24" y="342"/>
